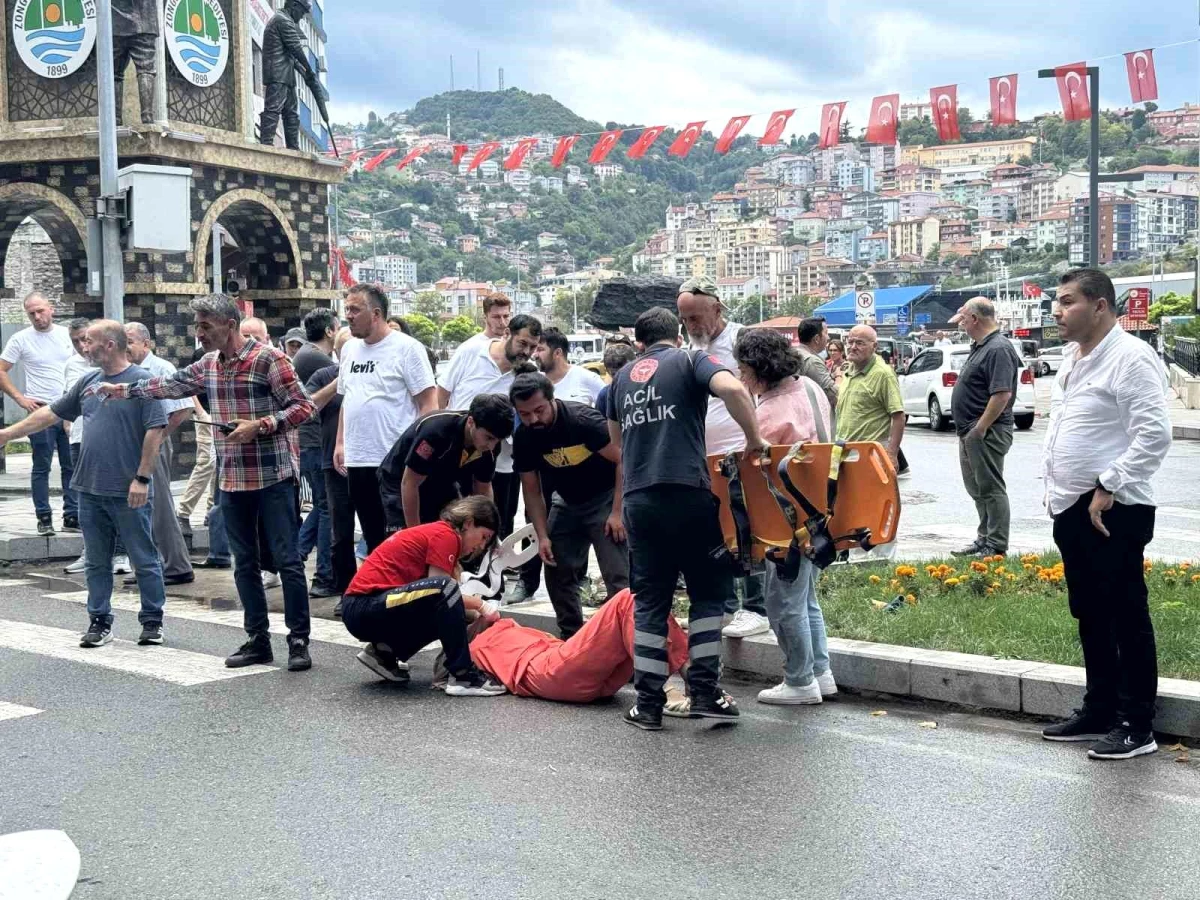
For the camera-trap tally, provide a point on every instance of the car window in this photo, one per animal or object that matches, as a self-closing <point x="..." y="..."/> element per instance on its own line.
<point x="927" y="362"/>
<point x="957" y="360"/>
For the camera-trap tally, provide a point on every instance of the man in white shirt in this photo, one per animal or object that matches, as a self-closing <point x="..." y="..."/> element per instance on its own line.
<point x="386" y="383"/>
<point x="570" y="382"/>
<point x="164" y="524"/>
<point x="497" y="310"/>
<point x="1109" y="433"/>
<point x="43" y="349"/>
<point x="701" y="312"/>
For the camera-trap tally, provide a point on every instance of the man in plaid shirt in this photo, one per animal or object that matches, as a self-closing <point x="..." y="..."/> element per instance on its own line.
<point x="256" y="402"/>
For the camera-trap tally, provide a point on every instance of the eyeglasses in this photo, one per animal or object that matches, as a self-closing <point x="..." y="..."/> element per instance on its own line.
<point x="854" y="342"/>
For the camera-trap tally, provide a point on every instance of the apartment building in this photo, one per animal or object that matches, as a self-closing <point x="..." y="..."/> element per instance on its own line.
<point x="1118" y="230"/>
<point x="983" y="153"/>
<point x="915" y="236"/>
<point x="749" y="260"/>
<point x="1164" y="221"/>
<point x="917" y="204"/>
<point x="875" y="209"/>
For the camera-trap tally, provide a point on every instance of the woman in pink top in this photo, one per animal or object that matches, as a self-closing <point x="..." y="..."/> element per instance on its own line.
<point x="790" y="409"/>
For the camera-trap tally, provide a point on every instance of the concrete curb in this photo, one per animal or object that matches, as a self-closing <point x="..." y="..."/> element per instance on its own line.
<point x="1033" y="688"/>
<point x="1185" y="432"/>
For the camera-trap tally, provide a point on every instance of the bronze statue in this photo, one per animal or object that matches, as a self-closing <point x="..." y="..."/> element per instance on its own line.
<point x="135" y="37"/>
<point x="283" y="55"/>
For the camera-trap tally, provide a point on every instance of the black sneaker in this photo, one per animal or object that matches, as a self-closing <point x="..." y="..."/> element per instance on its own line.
<point x="385" y="665"/>
<point x="45" y="527"/>
<point x="337" y="610"/>
<point x="253" y="652"/>
<point x="474" y="683"/>
<point x="71" y="523"/>
<point x="99" y="632"/>
<point x="1123" y="742"/>
<point x="719" y="707"/>
<point x="151" y="634"/>
<point x="645" y="719"/>
<point x="1082" y="726"/>
<point x="298" y="658"/>
<point x="970" y="550"/>
<point x="319" y="589"/>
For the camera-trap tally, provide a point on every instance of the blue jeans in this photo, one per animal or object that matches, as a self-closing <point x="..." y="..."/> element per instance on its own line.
<point x="218" y="539"/>
<point x="316" y="530"/>
<point x="104" y="520"/>
<point x="44" y="443"/>
<point x="748" y="595"/>
<point x="279" y="509"/>
<point x="798" y="624"/>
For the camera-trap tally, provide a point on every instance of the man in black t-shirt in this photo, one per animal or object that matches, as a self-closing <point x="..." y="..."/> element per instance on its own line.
<point x="656" y="409"/>
<point x="441" y="457"/>
<point x="563" y="450"/>
<point x="322" y="387"/>
<point x="320" y="328"/>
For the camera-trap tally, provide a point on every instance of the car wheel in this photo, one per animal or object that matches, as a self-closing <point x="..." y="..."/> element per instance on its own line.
<point x="1023" y="422"/>
<point x="937" y="420"/>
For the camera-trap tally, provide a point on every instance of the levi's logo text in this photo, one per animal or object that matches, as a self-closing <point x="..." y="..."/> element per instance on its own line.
<point x="363" y="367"/>
<point x="644" y="407"/>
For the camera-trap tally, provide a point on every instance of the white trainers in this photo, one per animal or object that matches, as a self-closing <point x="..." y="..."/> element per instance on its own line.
<point x="121" y="566"/>
<point x="77" y="567"/>
<point x="745" y="624"/>
<point x="271" y="580"/>
<point x="786" y="695"/>
<point x="827" y="685"/>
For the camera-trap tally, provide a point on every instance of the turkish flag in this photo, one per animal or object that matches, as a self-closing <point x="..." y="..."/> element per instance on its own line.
<point x="482" y="154"/>
<point x="683" y="144"/>
<point x="604" y="146"/>
<point x="642" y="144"/>
<point x="729" y="135"/>
<point x="1073" y="91"/>
<point x="565" y="143"/>
<point x="944" y="101"/>
<point x="376" y="161"/>
<point x="356" y="156"/>
<point x="1143" y="84"/>
<point x="775" y="127"/>
<point x="344" y="278"/>
<point x="519" y="153"/>
<point x="881" y="128"/>
<point x="1004" y="99"/>
<point x="411" y="155"/>
<point x="831" y="124"/>
<point x="460" y="150"/>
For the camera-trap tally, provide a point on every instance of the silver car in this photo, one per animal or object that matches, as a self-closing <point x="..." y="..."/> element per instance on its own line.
<point x="1048" y="360"/>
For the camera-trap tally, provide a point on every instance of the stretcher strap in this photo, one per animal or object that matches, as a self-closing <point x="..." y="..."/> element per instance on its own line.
<point x="737" y="508"/>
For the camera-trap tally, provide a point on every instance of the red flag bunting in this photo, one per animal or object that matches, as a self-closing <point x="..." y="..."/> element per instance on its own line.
<point x="831" y="124"/>
<point x="460" y="150"/>
<point x="642" y="144"/>
<point x="344" y="278"/>
<point x="565" y="144"/>
<point x="356" y="156"/>
<point x="732" y="129"/>
<point x="944" y="101"/>
<point x="517" y="157"/>
<point x="1073" y="91"/>
<point x="412" y="155"/>
<point x="1004" y="99"/>
<point x="881" y="127"/>
<point x="775" y="127"/>
<point x="482" y="154"/>
<point x="376" y="161"/>
<point x="604" y="146"/>
<point x="683" y="144"/>
<point x="1143" y="83"/>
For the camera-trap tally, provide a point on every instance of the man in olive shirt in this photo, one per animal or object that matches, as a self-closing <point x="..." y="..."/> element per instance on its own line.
<point x="982" y="405"/>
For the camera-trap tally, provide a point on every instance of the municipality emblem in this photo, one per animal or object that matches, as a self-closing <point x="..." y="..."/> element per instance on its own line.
<point x="198" y="38"/>
<point x="54" y="37"/>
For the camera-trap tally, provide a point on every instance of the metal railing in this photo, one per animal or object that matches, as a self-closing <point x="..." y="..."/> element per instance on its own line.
<point x="1185" y="353"/>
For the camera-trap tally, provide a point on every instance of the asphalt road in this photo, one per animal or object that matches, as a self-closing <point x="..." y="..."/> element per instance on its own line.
<point x="330" y="784"/>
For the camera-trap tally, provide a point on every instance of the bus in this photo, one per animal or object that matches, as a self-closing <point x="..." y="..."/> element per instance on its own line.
<point x="586" y="347"/>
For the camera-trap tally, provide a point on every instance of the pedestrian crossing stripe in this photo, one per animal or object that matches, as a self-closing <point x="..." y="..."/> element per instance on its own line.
<point x="13" y="582"/>
<point x="182" y="667"/>
<point x="15" y="711"/>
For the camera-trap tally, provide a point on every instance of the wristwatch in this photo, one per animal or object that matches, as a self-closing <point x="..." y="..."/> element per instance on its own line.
<point x="142" y="479"/>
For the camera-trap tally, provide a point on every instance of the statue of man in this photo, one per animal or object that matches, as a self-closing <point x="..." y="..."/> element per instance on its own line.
<point x="135" y="37"/>
<point x="283" y="54"/>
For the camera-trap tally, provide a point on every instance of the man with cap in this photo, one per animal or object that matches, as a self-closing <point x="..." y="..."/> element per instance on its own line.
<point x="702" y="315"/>
<point x="293" y="341"/>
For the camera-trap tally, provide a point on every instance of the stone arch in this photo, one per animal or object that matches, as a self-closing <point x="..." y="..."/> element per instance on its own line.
<point x="58" y="216"/>
<point x="263" y="233"/>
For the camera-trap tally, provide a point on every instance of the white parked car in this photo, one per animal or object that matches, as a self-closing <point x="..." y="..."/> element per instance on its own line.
<point x="1049" y="360"/>
<point x="928" y="382"/>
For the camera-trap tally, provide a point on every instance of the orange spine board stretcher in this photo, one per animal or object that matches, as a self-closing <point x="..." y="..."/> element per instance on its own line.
<point x="868" y="495"/>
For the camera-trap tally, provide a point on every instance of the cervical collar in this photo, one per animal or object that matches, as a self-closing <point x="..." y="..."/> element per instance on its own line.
<point x="511" y="553"/>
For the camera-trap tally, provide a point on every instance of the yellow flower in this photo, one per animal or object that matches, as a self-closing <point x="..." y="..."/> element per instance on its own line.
<point x="905" y="571"/>
<point x="1184" y="566"/>
<point x="874" y="579"/>
<point x="1195" y="579"/>
<point x="911" y="599"/>
<point x="1011" y="577"/>
<point x="979" y="567"/>
<point x="995" y="584"/>
<point x="894" y="584"/>
<point x="950" y="582"/>
<point x="1028" y="567"/>
<point x="991" y="591"/>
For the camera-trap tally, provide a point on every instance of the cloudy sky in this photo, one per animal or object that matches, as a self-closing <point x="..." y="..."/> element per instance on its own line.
<point x="669" y="62"/>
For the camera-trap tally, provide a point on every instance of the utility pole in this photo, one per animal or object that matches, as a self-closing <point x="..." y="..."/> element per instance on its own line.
<point x="110" y="227"/>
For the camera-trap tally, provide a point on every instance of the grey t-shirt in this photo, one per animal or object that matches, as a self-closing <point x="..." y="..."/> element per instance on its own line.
<point x="308" y="361"/>
<point x="115" y="429"/>
<point x="991" y="367"/>
<point x="661" y="400"/>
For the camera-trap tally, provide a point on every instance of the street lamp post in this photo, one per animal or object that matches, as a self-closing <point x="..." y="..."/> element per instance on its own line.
<point x="110" y="228"/>
<point x="374" y="243"/>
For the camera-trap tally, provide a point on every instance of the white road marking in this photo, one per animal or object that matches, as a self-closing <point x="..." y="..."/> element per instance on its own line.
<point x="15" y="711"/>
<point x="13" y="582"/>
<point x="163" y="663"/>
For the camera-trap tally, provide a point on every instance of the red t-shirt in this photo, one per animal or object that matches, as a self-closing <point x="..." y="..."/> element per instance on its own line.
<point x="405" y="557"/>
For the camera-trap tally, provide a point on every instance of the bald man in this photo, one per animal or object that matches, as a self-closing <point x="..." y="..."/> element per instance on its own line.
<point x="254" y="327"/>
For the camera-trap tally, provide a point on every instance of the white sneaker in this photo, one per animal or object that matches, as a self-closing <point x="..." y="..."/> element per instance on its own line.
<point x="786" y="695"/>
<point x="745" y="624"/>
<point x="271" y="580"/>
<point x="121" y="566"/>
<point x="77" y="567"/>
<point x="827" y="684"/>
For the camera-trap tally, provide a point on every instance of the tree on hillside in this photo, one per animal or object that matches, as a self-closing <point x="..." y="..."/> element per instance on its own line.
<point x="459" y="329"/>
<point x="1171" y="304"/>
<point x="917" y="131"/>
<point x="800" y="307"/>
<point x="423" y="328"/>
<point x="430" y="304"/>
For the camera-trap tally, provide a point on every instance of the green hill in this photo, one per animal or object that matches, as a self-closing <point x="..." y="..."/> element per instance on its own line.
<point x="488" y="114"/>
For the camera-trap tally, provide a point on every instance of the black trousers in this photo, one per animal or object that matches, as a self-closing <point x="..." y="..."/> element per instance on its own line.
<point x="1106" y="589"/>
<point x="505" y="487"/>
<point x="341" y="529"/>
<point x="366" y="502"/>
<point x="280" y="101"/>
<point x="673" y="529"/>
<point x="410" y="616"/>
